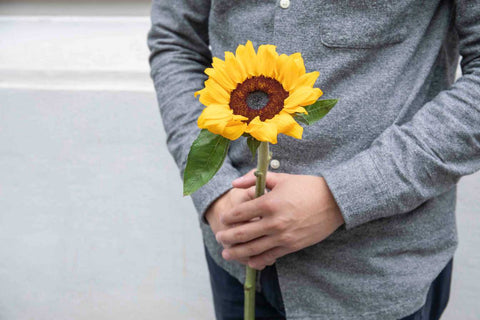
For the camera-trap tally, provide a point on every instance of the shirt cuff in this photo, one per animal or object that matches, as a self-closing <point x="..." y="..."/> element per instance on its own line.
<point x="359" y="189"/>
<point x="217" y="186"/>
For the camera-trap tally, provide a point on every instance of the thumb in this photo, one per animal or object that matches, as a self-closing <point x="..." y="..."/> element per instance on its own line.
<point x="245" y="181"/>
<point x="249" y="179"/>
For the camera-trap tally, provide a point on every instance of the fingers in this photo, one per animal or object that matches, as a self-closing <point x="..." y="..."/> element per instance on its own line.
<point x="242" y="233"/>
<point x="272" y="179"/>
<point x="242" y="261"/>
<point x="245" y="181"/>
<point x="249" y="179"/>
<point x="267" y="258"/>
<point x="243" y="195"/>
<point x="244" y="212"/>
<point x="249" y="249"/>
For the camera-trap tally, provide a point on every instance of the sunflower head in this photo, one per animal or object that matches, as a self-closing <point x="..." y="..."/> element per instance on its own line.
<point x="256" y="93"/>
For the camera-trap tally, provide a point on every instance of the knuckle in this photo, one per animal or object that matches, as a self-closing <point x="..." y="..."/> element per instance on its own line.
<point x="236" y="213"/>
<point x="284" y="221"/>
<point x="267" y="205"/>
<point x="250" y="251"/>
<point x="269" y="256"/>
<point x="287" y="239"/>
<point x="223" y="240"/>
<point x="239" y="234"/>
<point x="278" y="225"/>
<point x="222" y="216"/>
<point x="264" y="206"/>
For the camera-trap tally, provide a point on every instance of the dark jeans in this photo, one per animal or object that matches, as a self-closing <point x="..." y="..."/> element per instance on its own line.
<point x="228" y="295"/>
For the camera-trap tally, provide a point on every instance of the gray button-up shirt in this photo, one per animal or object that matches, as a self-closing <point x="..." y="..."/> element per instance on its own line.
<point x="391" y="151"/>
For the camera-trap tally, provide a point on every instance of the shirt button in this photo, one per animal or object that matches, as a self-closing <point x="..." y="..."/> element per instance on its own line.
<point x="275" y="164"/>
<point x="284" y="4"/>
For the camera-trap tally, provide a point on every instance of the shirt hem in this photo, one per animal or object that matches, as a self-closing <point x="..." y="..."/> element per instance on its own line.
<point x="397" y="312"/>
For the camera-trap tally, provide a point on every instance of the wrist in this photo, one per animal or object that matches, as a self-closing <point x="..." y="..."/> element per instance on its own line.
<point x="212" y="213"/>
<point x="335" y="214"/>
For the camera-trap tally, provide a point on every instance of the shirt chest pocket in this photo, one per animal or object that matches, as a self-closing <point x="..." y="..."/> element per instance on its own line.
<point x="363" y="23"/>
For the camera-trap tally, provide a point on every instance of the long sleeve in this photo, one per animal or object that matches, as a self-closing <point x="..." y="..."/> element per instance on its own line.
<point x="178" y="42"/>
<point x="412" y="162"/>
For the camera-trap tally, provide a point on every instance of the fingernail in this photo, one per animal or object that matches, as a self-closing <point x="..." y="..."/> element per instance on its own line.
<point x="217" y="237"/>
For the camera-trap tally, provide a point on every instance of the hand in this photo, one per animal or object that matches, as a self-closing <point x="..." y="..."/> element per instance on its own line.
<point x="224" y="203"/>
<point x="298" y="212"/>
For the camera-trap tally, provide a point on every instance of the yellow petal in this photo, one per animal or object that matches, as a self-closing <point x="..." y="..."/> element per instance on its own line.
<point x="218" y="64"/>
<point x="297" y="57"/>
<point x="222" y="78"/>
<point x="314" y="95"/>
<point x="266" y="60"/>
<point x="246" y="56"/>
<point x="306" y="80"/>
<point x="234" y="129"/>
<point x="262" y="131"/>
<point x="216" y="128"/>
<point x="219" y="119"/>
<point x="296" y="110"/>
<point x="216" y="92"/>
<point x="213" y="93"/>
<point x="300" y="97"/>
<point x="207" y="98"/>
<point x="239" y="117"/>
<point x="290" y="70"/>
<point x="214" y="118"/>
<point x="280" y="64"/>
<point x="234" y="68"/>
<point x="295" y="131"/>
<point x="217" y="111"/>
<point x="287" y="125"/>
<point x="199" y="92"/>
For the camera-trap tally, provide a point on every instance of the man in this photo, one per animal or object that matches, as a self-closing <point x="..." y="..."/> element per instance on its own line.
<point x="359" y="220"/>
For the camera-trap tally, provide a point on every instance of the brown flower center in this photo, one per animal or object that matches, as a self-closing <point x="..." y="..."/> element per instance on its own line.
<point x="239" y="98"/>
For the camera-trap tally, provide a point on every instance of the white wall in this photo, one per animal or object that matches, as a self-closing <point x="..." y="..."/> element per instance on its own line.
<point x="93" y="224"/>
<point x="92" y="221"/>
<point x="75" y="7"/>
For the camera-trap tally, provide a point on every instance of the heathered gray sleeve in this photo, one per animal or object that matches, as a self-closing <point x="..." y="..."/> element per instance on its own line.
<point x="423" y="158"/>
<point x="178" y="42"/>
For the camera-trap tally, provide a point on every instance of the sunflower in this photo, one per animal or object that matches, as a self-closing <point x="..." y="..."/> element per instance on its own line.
<point x="256" y="93"/>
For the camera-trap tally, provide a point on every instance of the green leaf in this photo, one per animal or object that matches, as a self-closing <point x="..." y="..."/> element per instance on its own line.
<point x="253" y="144"/>
<point x="205" y="158"/>
<point x="316" y="111"/>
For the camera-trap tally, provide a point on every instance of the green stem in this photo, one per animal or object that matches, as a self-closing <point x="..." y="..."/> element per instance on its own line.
<point x="250" y="280"/>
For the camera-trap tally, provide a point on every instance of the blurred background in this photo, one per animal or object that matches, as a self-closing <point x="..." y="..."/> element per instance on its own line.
<point x="93" y="224"/>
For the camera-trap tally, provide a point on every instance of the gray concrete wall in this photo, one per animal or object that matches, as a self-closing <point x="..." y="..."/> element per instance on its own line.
<point x="92" y="221"/>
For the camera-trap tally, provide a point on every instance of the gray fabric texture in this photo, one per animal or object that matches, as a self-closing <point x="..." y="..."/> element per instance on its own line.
<point x="391" y="151"/>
